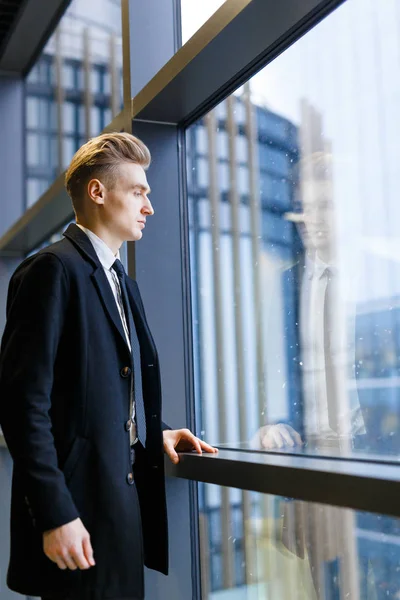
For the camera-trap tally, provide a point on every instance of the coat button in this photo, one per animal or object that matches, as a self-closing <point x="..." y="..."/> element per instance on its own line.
<point x="128" y="425"/>
<point x="125" y="372"/>
<point x="129" y="478"/>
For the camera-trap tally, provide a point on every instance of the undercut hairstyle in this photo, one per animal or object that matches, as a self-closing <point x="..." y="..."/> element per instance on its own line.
<point x="100" y="159"/>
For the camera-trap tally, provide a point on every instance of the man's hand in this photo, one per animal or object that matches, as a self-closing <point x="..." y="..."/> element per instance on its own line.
<point x="69" y="546"/>
<point x="182" y="440"/>
<point x="269" y="437"/>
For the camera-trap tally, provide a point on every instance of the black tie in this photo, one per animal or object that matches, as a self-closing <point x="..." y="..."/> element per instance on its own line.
<point x="137" y="369"/>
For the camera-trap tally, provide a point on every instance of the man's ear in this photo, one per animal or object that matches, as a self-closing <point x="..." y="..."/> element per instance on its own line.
<point x="96" y="191"/>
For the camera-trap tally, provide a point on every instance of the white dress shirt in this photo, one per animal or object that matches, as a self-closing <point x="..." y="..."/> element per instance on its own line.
<point x="107" y="259"/>
<point x="312" y="331"/>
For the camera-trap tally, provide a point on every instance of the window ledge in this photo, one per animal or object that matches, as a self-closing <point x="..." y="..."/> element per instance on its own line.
<point x="359" y="485"/>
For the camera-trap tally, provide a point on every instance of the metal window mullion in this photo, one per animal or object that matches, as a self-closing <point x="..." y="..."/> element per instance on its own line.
<point x="204" y="556"/>
<point x="87" y="92"/>
<point x="114" y="77"/>
<point x="255" y="233"/>
<point x="232" y="130"/>
<point x="126" y="69"/>
<point x="59" y="98"/>
<point x="227" y="555"/>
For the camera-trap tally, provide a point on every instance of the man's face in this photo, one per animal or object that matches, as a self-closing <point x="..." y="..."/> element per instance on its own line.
<point x="317" y="230"/>
<point x="126" y="205"/>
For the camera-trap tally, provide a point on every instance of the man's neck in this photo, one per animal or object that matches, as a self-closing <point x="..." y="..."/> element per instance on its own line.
<point x="102" y="233"/>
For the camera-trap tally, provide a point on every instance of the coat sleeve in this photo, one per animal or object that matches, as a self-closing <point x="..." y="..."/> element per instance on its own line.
<point x="36" y="307"/>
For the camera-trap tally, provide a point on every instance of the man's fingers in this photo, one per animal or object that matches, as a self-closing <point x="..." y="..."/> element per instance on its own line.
<point x="188" y="436"/>
<point x="170" y="450"/>
<point x="88" y="551"/>
<point x="69" y="561"/>
<point x="297" y="438"/>
<point x="183" y="440"/>
<point x="277" y="438"/>
<point x="80" y="559"/>
<point x="207" y="448"/>
<point x="60" y="564"/>
<point x="196" y="443"/>
<point x="267" y="442"/>
<point x="286" y="436"/>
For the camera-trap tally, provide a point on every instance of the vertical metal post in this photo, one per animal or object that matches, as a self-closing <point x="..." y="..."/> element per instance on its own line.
<point x="127" y="109"/>
<point x="255" y="228"/>
<point x="232" y="129"/>
<point x="255" y="234"/>
<point x="113" y="69"/>
<point x="204" y="556"/>
<point x="126" y="64"/>
<point x="87" y="92"/>
<point x="227" y="548"/>
<point x="59" y="97"/>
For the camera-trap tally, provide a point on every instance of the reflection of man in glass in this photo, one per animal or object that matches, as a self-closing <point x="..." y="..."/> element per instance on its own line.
<point x="328" y="417"/>
<point x="329" y="420"/>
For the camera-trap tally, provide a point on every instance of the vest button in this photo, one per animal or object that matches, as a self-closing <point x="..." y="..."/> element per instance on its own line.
<point x="125" y="371"/>
<point x="129" y="478"/>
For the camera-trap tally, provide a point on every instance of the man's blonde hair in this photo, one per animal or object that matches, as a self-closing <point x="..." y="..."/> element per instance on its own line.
<point x="100" y="158"/>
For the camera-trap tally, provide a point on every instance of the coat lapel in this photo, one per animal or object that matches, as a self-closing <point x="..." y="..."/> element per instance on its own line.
<point x="142" y="327"/>
<point x="99" y="278"/>
<point x="107" y="298"/>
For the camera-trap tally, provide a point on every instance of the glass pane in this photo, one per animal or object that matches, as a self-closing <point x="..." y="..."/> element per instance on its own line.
<point x="261" y="547"/>
<point x="295" y="246"/>
<point x="35" y="188"/>
<point x="195" y="14"/>
<point x="75" y="87"/>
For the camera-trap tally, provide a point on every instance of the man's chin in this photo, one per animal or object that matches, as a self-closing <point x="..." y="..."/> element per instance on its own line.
<point x="137" y="235"/>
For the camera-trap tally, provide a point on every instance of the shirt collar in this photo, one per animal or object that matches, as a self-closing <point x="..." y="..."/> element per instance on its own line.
<point x="104" y="252"/>
<point x="316" y="267"/>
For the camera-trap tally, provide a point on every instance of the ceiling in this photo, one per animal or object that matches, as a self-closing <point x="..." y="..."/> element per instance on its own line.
<point x="25" y="27"/>
<point x="9" y="10"/>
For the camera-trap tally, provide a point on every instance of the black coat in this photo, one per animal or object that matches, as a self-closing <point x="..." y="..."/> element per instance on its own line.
<point x="64" y="403"/>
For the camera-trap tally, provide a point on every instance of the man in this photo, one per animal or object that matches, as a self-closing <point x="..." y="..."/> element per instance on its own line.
<point x="80" y="397"/>
<point x="331" y="421"/>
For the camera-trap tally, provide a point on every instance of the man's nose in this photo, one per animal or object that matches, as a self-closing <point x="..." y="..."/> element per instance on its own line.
<point x="148" y="208"/>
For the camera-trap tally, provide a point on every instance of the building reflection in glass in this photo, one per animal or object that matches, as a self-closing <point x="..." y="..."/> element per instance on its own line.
<point x="275" y="346"/>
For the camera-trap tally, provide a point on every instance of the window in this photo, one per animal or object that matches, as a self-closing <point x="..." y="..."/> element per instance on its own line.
<point x="68" y="150"/>
<point x="69" y="117"/>
<point x="223" y="144"/>
<point x="321" y="363"/>
<point x="260" y="546"/>
<point x="35" y="188"/>
<point x="80" y="44"/>
<point x="201" y="140"/>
